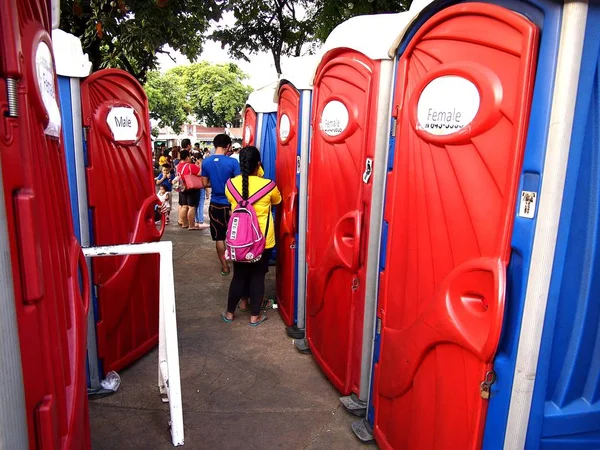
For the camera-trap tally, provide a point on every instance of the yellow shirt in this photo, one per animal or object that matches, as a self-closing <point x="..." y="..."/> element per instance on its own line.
<point x="262" y="206"/>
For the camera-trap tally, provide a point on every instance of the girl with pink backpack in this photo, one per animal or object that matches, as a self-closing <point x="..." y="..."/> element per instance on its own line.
<point x="250" y="234"/>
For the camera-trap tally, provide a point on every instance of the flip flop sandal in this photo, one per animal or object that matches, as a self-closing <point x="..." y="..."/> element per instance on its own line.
<point x="267" y="304"/>
<point x="225" y="274"/>
<point x="225" y="319"/>
<point x="257" y="323"/>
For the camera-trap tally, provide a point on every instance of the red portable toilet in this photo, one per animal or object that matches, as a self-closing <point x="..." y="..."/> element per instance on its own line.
<point x="44" y="403"/>
<point x="462" y="100"/>
<point x="259" y="102"/>
<point x="346" y="180"/>
<point x="293" y="96"/>
<point x="119" y="166"/>
<point x="260" y="127"/>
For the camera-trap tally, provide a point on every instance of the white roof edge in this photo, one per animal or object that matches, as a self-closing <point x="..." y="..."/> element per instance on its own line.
<point x="261" y="100"/>
<point x="299" y="74"/>
<point x="68" y="55"/>
<point x="378" y="45"/>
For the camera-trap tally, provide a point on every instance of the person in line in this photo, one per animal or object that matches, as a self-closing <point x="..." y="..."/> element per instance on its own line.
<point x="249" y="278"/>
<point x="165" y="178"/>
<point x="189" y="198"/>
<point x="216" y="170"/>
<point x="236" y="151"/>
<point x="199" y="219"/>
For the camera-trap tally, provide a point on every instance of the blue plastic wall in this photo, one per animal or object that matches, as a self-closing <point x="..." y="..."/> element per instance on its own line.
<point x="268" y="144"/>
<point x="565" y="411"/>
<point x="66" y="109"/>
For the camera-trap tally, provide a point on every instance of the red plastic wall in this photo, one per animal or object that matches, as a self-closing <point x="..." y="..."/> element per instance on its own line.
<point x="450" y="208"/>
<point x="46" y="258"/>
<point x="338" y="212"/>
<point x="249" y="128"/>
<point x="121" y="195"/>
<point x="287" y="212"/>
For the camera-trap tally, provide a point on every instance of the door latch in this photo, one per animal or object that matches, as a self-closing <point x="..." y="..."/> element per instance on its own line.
<point x="298" y="164"/>
<point x="355" y="283"/>
<point x="368" y="170"/>
<point x="486" y="385"/>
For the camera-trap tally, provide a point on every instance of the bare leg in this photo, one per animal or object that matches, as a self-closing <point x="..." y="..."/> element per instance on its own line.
<point x="183" y="215"/>
<point x="191" y="216"/>
<point x="221" y="255"/>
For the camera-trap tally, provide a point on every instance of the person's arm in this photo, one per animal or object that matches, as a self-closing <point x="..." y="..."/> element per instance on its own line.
<point x="275" y="196"/>
<point x="159" y="179"/>
<point x="205" y="177"/>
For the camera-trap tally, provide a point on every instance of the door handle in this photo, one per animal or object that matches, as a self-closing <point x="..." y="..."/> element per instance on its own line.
<point x="467" y="311"/>
<point x="343" y="250"/>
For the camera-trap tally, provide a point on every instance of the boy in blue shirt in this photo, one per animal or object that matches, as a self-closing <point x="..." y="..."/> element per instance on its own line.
<point x="165" y="178"/>
<point x="216" y="170"/>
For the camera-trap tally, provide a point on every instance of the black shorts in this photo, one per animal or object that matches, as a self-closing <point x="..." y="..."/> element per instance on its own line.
<point x="219" y="218"/>
<point x="189" y="197"/>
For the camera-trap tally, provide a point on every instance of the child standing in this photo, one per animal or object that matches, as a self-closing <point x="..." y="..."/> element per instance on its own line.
<point x="165" y="199"/>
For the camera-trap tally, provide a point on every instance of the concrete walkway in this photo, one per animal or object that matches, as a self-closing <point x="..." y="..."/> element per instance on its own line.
<point x="243" y="388"/>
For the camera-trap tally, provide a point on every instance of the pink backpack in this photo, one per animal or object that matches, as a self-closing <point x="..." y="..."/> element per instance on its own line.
<point x="244" y="241"/>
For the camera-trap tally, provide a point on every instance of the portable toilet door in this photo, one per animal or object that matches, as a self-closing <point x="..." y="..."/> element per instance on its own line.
<point x="72" y="65"/>
<point x="462" y="100"/>
<point x="559" y="408"/>
<point x="249" y="127"/>
<point x="122" y="200"/>
<point x="346" y="176"/>
<point x="45" y="258"/>
<point x="293" y="96"/>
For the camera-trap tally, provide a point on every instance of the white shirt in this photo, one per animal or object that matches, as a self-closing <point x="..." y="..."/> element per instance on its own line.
<point x="236" y="156"/>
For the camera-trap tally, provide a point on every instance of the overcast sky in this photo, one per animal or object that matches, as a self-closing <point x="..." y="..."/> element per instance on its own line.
<point x="260" y="69"/>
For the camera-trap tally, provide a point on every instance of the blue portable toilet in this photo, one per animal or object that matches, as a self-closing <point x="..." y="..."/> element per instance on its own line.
<point x="260" y="104"/>
<point x="72" y="65"/>
<point x="555" y="393"/>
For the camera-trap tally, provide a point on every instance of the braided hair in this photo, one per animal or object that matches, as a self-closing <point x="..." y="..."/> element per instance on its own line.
<point x="249" y="161"/>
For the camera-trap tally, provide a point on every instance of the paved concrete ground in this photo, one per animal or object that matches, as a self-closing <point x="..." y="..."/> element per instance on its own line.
<point x="243" y="388"/>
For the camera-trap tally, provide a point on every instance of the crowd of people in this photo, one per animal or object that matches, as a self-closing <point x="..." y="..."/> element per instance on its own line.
<point x="232" y="179"/>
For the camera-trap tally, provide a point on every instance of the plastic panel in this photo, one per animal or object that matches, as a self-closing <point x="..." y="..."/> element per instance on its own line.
<point x="287" y="211"/>
<point x="46" y="258"/>
<point x="450" y="209"/>
<point x="248" y="138"/>
<point x="338" y="213"/>
<point x="268" y="144"/>
<point x="565" y="412"/>
<point x="122" y="199"/>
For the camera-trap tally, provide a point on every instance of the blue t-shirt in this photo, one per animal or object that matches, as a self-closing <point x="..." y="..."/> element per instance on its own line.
<point x="219" y="169"/>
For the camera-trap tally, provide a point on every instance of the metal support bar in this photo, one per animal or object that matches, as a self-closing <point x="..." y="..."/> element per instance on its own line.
<point x="169" y="382"/>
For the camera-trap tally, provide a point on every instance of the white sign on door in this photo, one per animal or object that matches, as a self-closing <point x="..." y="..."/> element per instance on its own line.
<point x="334" y="118"/>
<point x="44" y="69"/>
<point x="284" y="127"/>
<point x="447" y="104"/>
<point x="123" y="123"/>
<point x="247" y="134"/>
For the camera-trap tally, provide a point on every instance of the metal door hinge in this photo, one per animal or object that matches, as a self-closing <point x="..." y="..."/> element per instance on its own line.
<point x="298" y="165"/>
